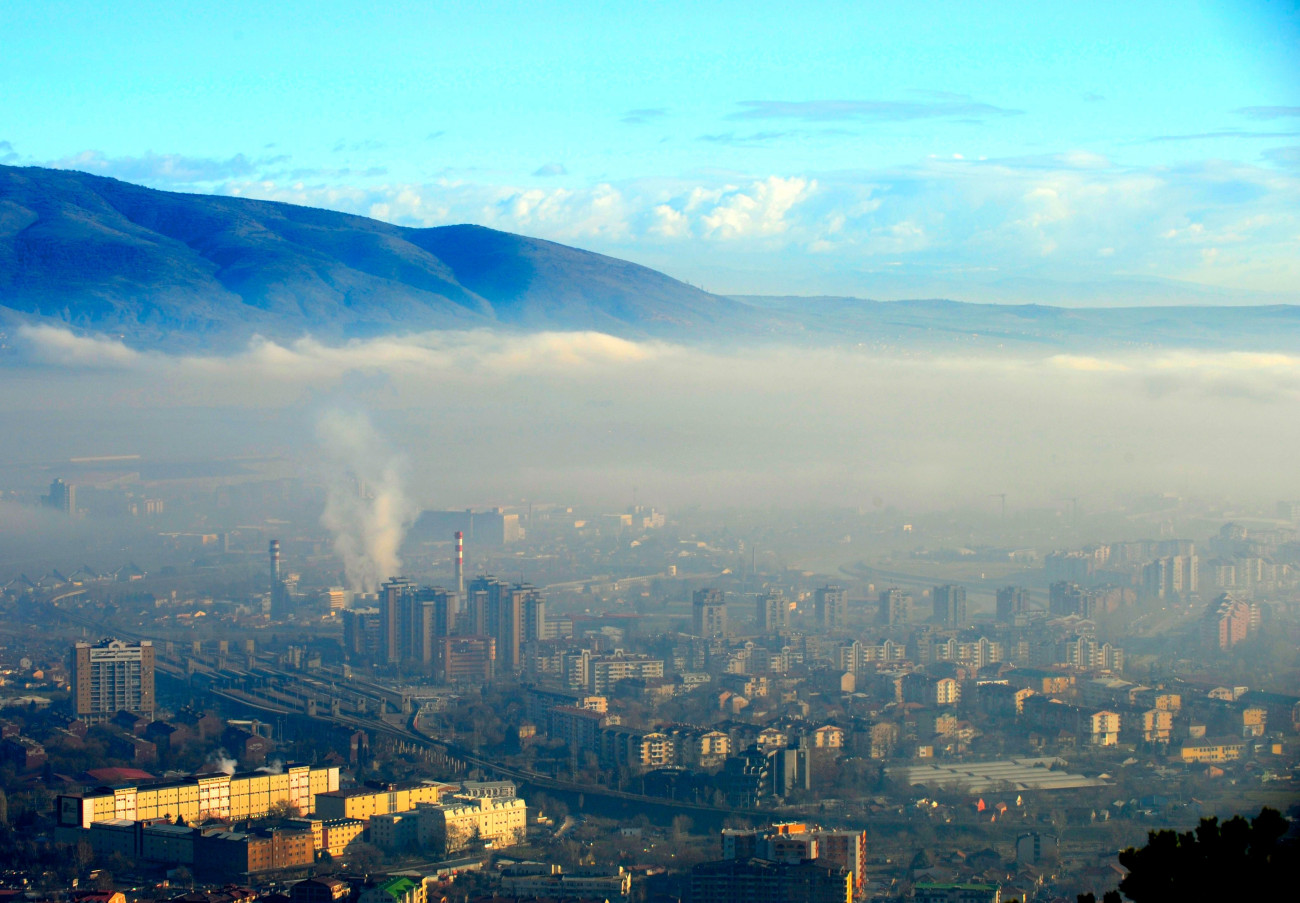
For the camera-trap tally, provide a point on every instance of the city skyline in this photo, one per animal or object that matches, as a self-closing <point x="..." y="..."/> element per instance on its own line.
<point x="435" y="467"/>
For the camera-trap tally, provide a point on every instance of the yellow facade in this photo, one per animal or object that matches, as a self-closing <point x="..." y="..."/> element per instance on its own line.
<point x="168" y="802"/>
<point x="363" y="804"/>
<point x="1157" y="725"/>
<point x="503" y="822"/>
<point x="1254" y="722"/>
<point x="1212" y="753"/>
<point x="1057" y="684"/>
<point x="340" y="834"/>
<point x="315" y="826"/>
<point x="199" y="797"/>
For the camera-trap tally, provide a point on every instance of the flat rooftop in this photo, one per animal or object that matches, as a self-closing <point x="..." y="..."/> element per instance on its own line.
<point x="982" y="777"/>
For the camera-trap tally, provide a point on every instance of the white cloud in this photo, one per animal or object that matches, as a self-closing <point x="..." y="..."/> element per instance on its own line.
<point x="1035" y="217"/>
<point x="162" y="168"/>
<point x="562" y="213"/>
<point x="1080" y="159"/>
<point x="669" y="223"/>
<point x="680" y="422"/>
<point x="289" y="368"/>
<point x="55" y="345"/>
<point x="759" y="211"/>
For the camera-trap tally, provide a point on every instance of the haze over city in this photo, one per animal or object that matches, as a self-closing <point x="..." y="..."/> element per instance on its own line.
<point x="649" y="453"/>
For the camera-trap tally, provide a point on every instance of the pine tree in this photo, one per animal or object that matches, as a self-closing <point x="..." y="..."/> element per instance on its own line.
<point x="1239" y="859"/>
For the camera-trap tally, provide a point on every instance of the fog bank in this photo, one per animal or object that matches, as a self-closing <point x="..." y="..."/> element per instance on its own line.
<point x="482" y="417"/>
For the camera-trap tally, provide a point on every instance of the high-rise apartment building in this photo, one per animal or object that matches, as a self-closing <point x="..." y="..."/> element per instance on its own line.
<point x="709" y="613"/>
<point x="411" y="623"/>
<point x="830" y="604"/>
<point x="1012" y="600"/>
<point x="950" y="605"/>
<point x="606" y="671"/>
<point x="512" y="615"/>
<point x="763" y="881"/>
<point x="1065" y="599"/>
<point x="895" y="607"/>
<point x="534" y="612"/>
<point x="1173" y="577"/>
<point x="393" y="597"/>
<point x="62" y="497"/>
<point x="494" y="611"/>
<point x="482" y="602"/>
<point x="363" y="633"/>
<point x="112" y="676"/>
<point x="1228" y="621"/>
<point x="771" y="611"/>
<point x="795" y="842"/>
<point x="412" y="620"/>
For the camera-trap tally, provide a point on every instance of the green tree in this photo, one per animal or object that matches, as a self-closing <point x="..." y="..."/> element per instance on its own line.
<point x="1238" y="859"/>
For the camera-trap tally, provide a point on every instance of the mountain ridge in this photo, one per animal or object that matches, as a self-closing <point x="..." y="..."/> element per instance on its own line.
<point x="97" y="253"/>
<point x="167" y="268"/>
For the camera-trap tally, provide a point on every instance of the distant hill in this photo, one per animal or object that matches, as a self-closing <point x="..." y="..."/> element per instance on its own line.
<point x="114" y="257"/>
<point x="938" y="324"/>
<point x="161" y="268"/>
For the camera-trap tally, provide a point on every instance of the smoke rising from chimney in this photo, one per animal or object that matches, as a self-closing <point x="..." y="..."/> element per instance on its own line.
<point x="225" y="763"/>
<point x="366" y="507"/>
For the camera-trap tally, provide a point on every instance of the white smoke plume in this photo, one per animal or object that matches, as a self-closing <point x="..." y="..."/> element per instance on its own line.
<point x="225" y="763"/>
<point x="366" y="508"/>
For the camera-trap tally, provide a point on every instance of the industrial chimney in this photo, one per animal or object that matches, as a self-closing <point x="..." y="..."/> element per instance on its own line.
<point x="460" y="562"/>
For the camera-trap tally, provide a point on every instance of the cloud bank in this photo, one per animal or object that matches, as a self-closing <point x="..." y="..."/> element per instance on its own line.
<point x="483" y="417"/>
<point x="954" y="227"/>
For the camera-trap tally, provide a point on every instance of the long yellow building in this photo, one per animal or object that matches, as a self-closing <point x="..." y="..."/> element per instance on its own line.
<point x="1213" y="752"/>
<point x="202" y="796"/>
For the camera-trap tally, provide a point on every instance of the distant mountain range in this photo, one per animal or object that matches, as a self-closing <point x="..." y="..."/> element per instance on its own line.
<point x="159" y="267"/>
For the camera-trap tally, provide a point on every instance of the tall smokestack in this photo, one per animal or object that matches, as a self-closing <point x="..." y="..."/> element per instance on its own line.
<point x="275" y="563"/>
<point x="460" y="562"/>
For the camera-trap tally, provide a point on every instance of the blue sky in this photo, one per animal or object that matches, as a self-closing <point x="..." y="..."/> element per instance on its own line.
<point x="1069" y="153"/>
